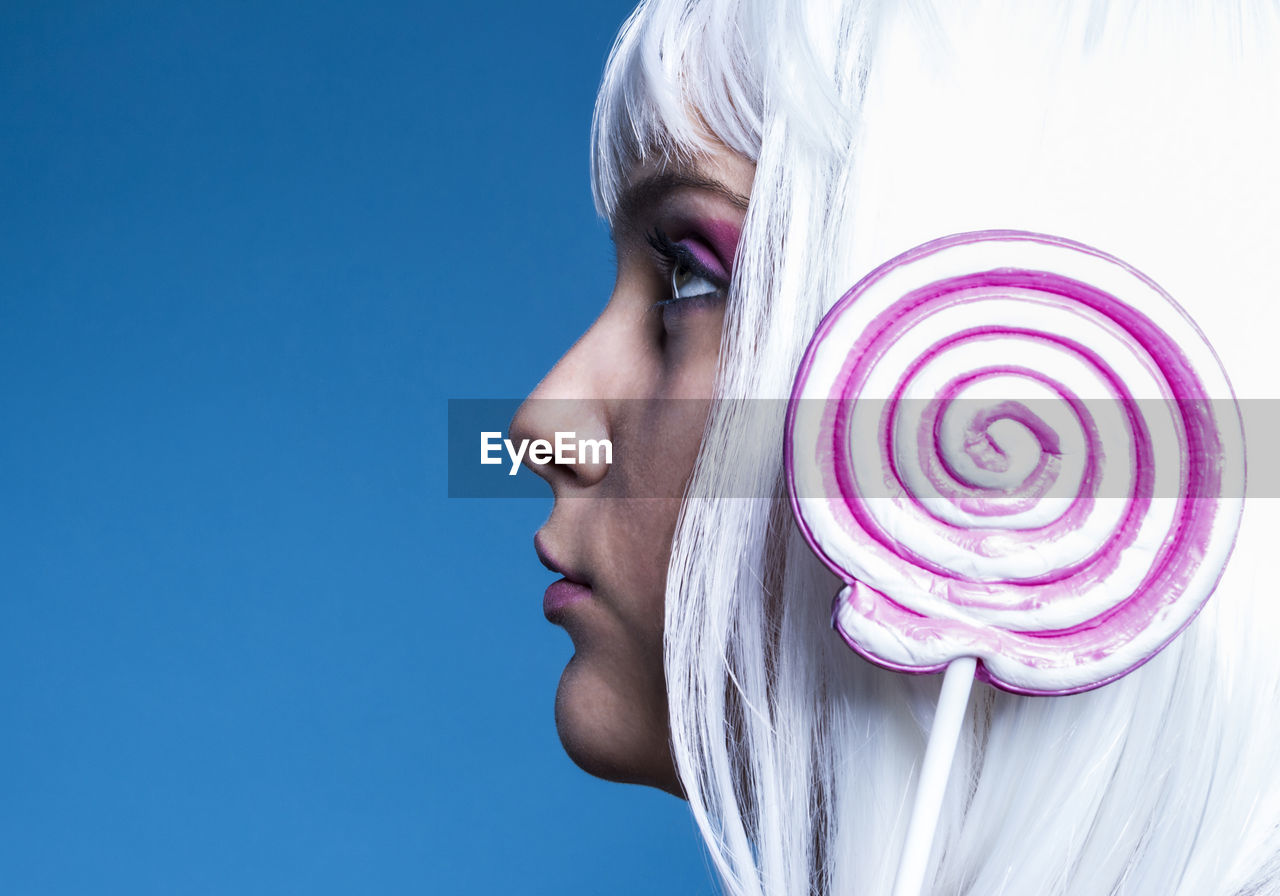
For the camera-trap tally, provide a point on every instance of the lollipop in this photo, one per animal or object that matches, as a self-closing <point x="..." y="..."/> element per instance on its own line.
<point x="1025" y="462"/>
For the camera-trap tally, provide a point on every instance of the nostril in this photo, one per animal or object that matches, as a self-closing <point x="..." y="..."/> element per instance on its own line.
<point x="563" y="439"/>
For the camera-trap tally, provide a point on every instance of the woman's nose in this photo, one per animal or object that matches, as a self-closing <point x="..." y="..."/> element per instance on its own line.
<point x="563" y="425"/>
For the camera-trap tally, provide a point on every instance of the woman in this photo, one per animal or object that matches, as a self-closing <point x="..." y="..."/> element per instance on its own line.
<point x="754" y="159"/>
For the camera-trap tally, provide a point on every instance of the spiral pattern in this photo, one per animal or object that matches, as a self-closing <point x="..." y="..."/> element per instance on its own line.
<point x="1015" y="447"/>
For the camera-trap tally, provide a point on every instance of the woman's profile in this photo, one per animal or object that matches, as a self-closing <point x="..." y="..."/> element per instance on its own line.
<point x="753" y="161"/>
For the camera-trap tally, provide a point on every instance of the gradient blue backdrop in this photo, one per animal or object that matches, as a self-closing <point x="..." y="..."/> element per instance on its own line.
<point x="247" y="645"/>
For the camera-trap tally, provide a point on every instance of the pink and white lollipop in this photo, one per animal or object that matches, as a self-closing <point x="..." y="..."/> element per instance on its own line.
<point x="1015" y="448"/>
<point x="1027" y="465"/>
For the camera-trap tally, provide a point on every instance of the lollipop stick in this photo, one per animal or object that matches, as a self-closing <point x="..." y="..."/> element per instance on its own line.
<point x="956" y="684"/>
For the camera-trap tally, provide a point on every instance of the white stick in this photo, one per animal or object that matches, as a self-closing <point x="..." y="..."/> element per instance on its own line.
<point x="952" y="702"/>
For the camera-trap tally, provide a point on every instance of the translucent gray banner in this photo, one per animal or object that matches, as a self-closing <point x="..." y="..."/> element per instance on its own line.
<point x="998" y="446"/>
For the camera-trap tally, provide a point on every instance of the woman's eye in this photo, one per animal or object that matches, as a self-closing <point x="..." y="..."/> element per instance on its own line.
<point x="690" y="277"/>
<point x="687" y="283"/>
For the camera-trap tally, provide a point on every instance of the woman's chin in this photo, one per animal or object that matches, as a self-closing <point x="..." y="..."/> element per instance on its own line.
<point x="613" y="728"/>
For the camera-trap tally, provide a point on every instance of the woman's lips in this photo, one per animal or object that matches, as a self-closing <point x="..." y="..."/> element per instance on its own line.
<point x="560" y="595"/>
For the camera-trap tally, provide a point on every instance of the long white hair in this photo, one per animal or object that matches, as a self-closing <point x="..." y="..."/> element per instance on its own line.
<point x="1151" y="133"/>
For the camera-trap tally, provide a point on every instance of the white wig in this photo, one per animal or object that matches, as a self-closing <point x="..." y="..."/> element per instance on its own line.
<point x="1150" y="133"/>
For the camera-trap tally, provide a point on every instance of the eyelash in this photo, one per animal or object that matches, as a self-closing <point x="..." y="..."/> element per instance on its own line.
<point x="671" y="255"/>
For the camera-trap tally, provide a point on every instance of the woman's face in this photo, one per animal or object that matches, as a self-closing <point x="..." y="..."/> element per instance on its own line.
<point x="640" y="376"/>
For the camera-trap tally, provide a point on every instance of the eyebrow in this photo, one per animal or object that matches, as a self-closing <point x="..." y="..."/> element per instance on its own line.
<point x="656" y="187"/>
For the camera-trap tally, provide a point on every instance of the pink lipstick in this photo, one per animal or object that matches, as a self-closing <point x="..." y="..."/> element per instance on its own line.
<point x="563" y="593"/>
<point x="560" y="595"/>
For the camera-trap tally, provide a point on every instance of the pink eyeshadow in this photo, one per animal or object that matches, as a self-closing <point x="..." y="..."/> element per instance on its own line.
<point x="723" y="238"/>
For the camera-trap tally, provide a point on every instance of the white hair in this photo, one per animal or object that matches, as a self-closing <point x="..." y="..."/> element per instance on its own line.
<point x="874" y="126"/>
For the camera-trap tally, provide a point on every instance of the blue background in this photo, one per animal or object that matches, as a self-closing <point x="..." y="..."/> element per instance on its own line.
<point x="247" y="644"/>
